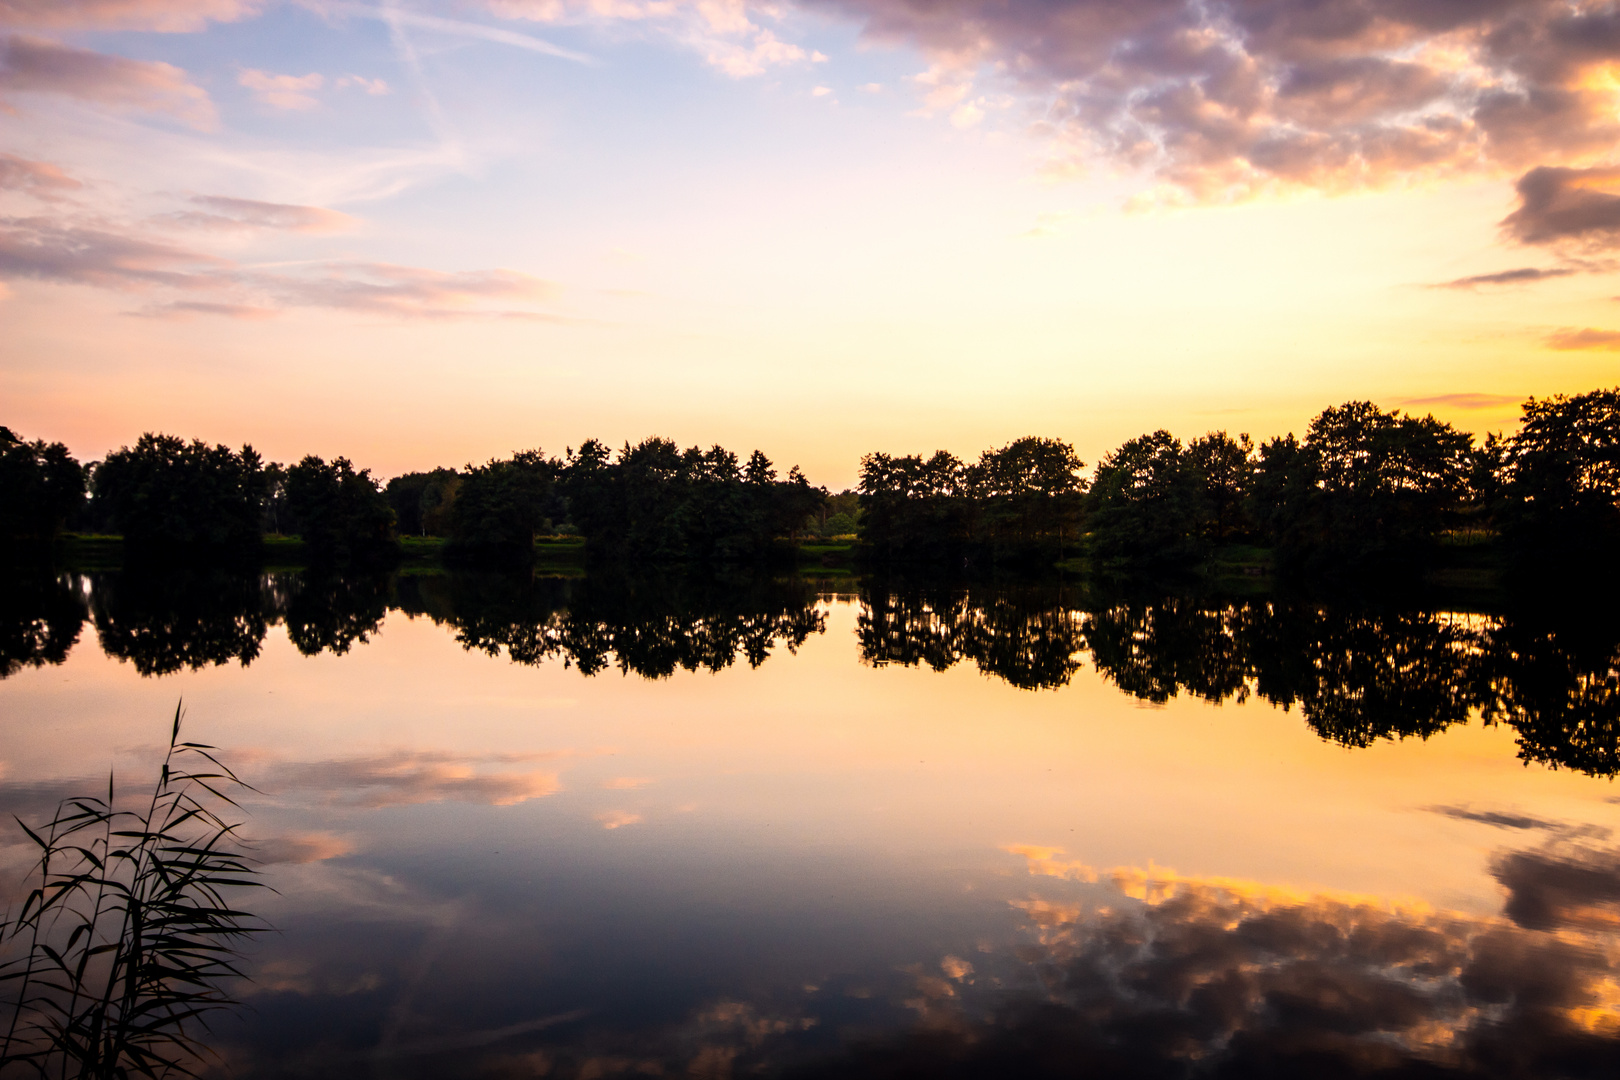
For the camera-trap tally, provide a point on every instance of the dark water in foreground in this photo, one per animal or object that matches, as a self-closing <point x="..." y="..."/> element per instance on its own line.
<point x="600" y="828"/>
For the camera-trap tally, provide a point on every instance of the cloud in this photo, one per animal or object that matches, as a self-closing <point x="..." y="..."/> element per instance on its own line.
<point x="223" y="212"/>
<point x="1464" y="400"/>
<point x="1572" y="339"/>
<point x="725" y="32"/>
<point x="407" y="778"/>
<point x="458" y="28"/>
<point x="625" y="783"/>
<point x="299" y="848"/>
<point x="374" y="87"/>
<point x="1569" y="206"/>
<point x="1499" y="819"/>
<point x="111" y="255"/>
<point x="1552" y="890"/>
<point x="44" y="249"/>
<point x="181" y="309"/>
<point x="38" y="178"/>
<point x="390" y="289"/>
<point x="287" y="92"/>
<point x="618" y="819"/>
<point x="1221" y="101"/>
<point x="35" y="65"/>
<point x="172" y="16"/>
<point x="1522" y="275"/>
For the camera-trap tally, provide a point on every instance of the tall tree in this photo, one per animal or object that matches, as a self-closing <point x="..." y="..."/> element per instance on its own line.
<point x="1145" y="505"/>
<point x="41" y="488"/>
<point x="341" y="514"/>
<point x="168" y="495"/>
<point x="1562" y="480"/>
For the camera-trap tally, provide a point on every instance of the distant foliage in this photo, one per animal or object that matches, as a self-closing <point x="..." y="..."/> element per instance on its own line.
<point x="655" y="502"/>
<point x="41" y="489"/>
<point x="1021" y="499"/>
<point x="167" y="495"/>
<point x="500" y="507"/>
<point x="422" y="501"/>
<point x="339" y="513"/>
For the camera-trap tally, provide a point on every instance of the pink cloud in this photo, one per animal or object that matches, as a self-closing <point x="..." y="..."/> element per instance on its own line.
<point x="223" y="213"/>
<point x="49" y="250"/>
<point x="38" y="178"/>
<point x="38" y="66"/>
<point x="1572" y="339"/>
<point x="173" y="16"/>
<point x="289" y="92"/>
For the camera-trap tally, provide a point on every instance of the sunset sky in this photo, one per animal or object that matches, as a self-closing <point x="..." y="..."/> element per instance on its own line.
<point x="426" y="233"/>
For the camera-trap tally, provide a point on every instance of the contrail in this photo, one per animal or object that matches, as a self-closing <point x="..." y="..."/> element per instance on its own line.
<point x="459" y="28"/>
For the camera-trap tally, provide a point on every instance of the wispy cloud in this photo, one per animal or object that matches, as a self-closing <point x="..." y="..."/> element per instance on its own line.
<point x="410" y="777"/>
<point x="35" y="65"/>
<point x="38" y="178"/>
<point x="1572" y="339"/>
<point x="1465" y="401"/>
<point x="1523" y="275"/>
<point x="728" y="34"/>
<point x="171" y="16"/>
<point x="458" y="28"/>
<point x="219" y="212"/>
<point x="287" y="92"/>
<point x="48" y="250"/>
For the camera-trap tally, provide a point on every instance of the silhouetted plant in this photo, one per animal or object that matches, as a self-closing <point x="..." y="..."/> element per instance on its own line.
<point x="120" y="953"/>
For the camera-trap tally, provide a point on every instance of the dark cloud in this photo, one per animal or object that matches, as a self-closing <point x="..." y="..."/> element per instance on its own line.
<point x="1231" y="98"/>
<point x="1576" y="206"/>
<point x="1522" y="275"/>
<point x="1497" y="818"/>
<point x="1551" y="890"/>
<point x="40" y="66"/>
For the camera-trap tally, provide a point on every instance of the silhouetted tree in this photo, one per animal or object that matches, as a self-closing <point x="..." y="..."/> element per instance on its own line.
<point x="913" y="508"/>
<point x="341" y="514"/>
<point x="166" y="495"/>
<point x="1365" y="488"/>
<point x="422" y="501"/>
<point x="500" y="507"/>
<point x="1224" y="469"/>
<point x="41" y="489"/>
<point x="1145" y="508"/>
<point x="1028" y="494"/>
<point x="1562" y="488"/>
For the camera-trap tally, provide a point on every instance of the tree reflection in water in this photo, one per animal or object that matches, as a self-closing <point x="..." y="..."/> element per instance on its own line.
<point x="1357" y="673"/>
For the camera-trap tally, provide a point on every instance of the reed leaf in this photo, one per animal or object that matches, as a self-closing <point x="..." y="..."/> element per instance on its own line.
<point x="119" y="955"/>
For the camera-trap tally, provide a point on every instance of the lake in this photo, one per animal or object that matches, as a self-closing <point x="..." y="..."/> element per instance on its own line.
<point x="605" y="827"/>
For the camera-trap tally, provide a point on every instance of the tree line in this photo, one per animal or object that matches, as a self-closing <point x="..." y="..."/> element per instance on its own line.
<point x="171" y="498"/>
<point x="1364" y="488"/>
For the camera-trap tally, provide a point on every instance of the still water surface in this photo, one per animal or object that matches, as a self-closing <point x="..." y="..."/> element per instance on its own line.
<point x="588" y="829"/>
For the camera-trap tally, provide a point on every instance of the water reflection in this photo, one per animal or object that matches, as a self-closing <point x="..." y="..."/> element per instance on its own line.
<point x="1127" y="972"/>
<point x="650" y="627"/>
<point x="41" y="614"/>
<point x="1357" y="674"/>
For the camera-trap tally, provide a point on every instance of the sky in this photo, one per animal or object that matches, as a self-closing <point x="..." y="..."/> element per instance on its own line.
<point x="429" y="232"/>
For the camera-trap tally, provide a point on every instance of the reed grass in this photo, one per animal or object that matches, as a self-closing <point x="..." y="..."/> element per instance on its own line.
<point x="127" y="944"/>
